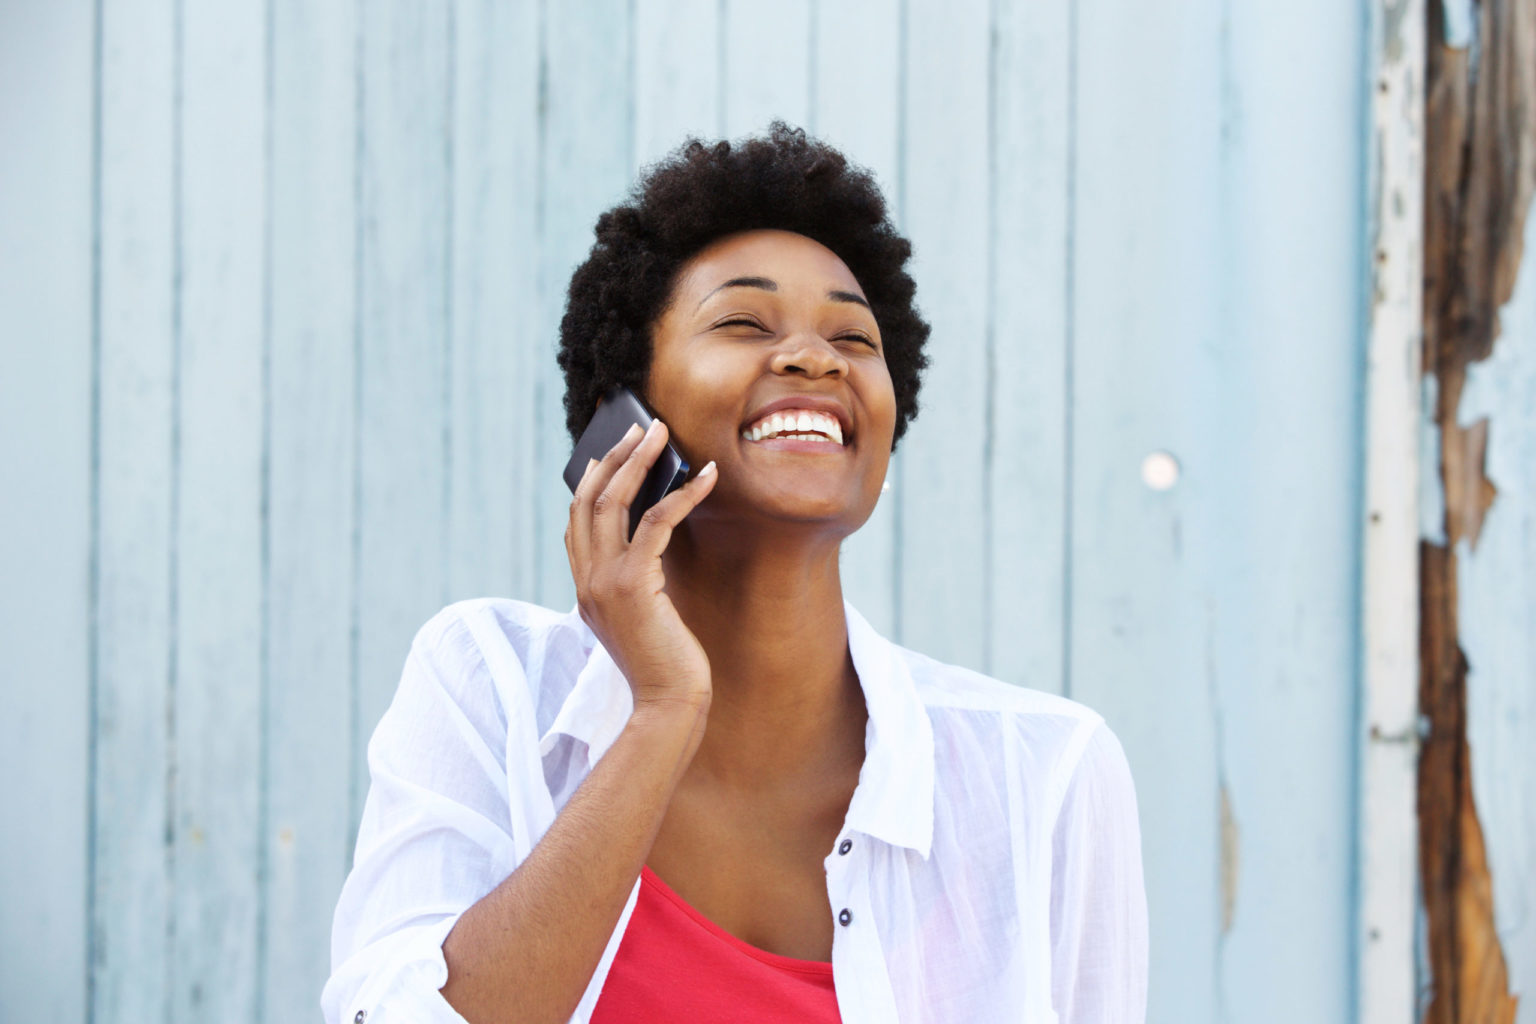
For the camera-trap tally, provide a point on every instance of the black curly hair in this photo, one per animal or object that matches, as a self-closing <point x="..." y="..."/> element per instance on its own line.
<point x="700" y="193"/>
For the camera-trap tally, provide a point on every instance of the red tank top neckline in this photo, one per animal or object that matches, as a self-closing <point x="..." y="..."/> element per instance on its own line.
<point x="673" y="963"/>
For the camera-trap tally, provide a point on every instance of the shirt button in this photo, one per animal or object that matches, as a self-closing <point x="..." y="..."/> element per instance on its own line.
<point x="844" y="846"/>
<point x="362" y="1015"/>
<point x="845" y="916"/>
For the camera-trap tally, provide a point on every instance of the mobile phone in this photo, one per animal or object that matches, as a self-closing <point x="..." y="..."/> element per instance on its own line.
<point x="616" y="413"/>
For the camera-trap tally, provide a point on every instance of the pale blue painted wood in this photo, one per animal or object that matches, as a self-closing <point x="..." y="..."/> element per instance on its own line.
<point x="311" y="519"/>
<point x="1496" y="590"/>
<point x="495" y="276"/>
<point x="1279" y="386"/>
<point x="764" y="52"/>
<point x="941" y="527"/>
<point x="1030" y="166"/>
<point x="855" y="78"/>
<point x="403" y="424"/>
<point x="1146" y="281"/>
<point x="1214" y="623"/>
<point x="675" y="99"/>
<point x="46" y="220"/>
<point x="216" y="742"/>
<point x="136" y="483"/>
<point x="588" y="142"/>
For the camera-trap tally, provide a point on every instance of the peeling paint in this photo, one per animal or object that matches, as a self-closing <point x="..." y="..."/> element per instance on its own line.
<point x="1468" y="491"/>
<point x="1458" y="23"/>
<point x="1480" y="175"/>
<point x="1230" y="861"/>
<point x="1431" y="493"/>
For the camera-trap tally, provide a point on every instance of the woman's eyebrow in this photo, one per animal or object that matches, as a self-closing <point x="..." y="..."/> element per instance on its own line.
<point x="744" y="282"/>
<point x="769" y="285"/>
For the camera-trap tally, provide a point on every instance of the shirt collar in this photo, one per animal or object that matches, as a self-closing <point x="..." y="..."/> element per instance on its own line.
<point x="894" y="798"/>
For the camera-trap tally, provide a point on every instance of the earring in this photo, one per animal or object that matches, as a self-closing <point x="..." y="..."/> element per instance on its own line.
<point x="885" y="488"/>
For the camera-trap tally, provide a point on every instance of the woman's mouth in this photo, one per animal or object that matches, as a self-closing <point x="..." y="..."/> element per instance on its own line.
<point x="796" y="425"/>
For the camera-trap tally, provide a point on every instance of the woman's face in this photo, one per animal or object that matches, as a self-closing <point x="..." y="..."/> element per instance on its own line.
<point x="765" y="324"/>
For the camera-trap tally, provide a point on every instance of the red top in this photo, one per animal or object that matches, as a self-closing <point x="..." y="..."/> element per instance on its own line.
<point x="675" y="964"/>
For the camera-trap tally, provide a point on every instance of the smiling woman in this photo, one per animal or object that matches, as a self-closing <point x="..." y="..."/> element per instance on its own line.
<point x="711" y="791"/>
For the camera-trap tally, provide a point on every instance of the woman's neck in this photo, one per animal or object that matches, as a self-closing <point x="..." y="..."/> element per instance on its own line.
<point x="787" y="707"/>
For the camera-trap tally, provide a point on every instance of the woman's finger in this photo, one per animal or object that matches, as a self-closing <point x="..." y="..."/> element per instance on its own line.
<point x="573" y="547"/>
<point x="610" y="510"/>
<point x="656" y="526"/>
<point x="591" y="485"/>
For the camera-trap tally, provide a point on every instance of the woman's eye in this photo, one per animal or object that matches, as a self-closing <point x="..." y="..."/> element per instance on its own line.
<point x="739" y="322"/>
<point x="859" y="338"/>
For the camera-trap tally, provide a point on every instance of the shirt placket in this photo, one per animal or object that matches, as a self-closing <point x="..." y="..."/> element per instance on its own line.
<point x="858" y="964"/>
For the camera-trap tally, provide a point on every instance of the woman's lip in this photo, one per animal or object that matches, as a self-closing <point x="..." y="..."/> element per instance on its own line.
<point x="789" y="444"/>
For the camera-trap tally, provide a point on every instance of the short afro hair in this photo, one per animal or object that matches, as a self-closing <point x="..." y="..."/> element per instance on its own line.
<point x="700" y="193"/>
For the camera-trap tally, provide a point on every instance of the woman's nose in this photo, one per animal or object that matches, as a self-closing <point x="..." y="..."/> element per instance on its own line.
<point x="811" y="355"/>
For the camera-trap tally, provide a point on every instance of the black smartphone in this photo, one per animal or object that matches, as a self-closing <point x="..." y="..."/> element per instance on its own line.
<point x="616" y="413"/>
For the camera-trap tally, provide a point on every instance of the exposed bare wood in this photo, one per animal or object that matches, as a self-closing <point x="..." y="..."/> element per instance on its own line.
<point x="1481" y="169"/>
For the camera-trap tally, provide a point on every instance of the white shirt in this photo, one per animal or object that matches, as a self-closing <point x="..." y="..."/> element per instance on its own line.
<point x="993" y="864"/>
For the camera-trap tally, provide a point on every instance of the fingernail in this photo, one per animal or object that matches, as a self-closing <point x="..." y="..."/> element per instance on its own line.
<point x="633" y="432"/>
<point x="590" y="464"/>
<point x="709" y="467"/>
<point x="655" y="425"/>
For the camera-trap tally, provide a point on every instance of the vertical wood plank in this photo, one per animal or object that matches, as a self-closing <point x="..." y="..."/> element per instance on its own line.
<point x="1028" y="343"/>
<point x="853" y="109"/>
<point x="1281" y="384"/>
<point x="1214" y="622"/>
<point x="765" y="59"/>
<point x="311" y="454"/>
<point x="47" y="54"/>
<point x="1145" y="267"/>
<point x="218" y="693"/>
<point x="494" y="341"/>
<point x="135" y="600"/>
<point x="1393" y="422"/>
<point x="675" y="98"/>
<point x="403" y="441"/>
<point x="585" y="169"/>
<point x="942" y="526"/>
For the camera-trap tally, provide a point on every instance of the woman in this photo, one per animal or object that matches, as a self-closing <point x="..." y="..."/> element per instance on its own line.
<point x="712" y="791"/>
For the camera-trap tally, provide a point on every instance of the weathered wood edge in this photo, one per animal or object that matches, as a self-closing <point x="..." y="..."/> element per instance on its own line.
<point x="1389" y="590"/>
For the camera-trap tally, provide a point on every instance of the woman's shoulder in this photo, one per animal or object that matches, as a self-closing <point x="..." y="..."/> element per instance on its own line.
<point x="984" y="725"/>
<point x="517" y="642"/>
<point x="944" y="686"/>
<point x="982" y="714"/>
<point x="525" y="626"/>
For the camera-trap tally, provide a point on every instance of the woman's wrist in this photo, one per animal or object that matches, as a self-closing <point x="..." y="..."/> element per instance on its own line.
<point x="672" y="725"/>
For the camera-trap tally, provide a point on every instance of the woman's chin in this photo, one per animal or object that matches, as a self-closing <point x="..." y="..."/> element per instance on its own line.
<point x="839" y="514"/>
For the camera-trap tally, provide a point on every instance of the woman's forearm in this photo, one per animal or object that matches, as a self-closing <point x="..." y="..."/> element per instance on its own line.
<point x="527" y="950"/>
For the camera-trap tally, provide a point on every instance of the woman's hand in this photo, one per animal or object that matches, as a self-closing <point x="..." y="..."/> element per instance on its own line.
<point x="619" y="581"/>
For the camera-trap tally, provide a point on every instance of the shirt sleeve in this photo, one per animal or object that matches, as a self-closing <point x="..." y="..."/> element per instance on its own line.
<point x="1098" y="897"/>
<point x="436" y="833"/>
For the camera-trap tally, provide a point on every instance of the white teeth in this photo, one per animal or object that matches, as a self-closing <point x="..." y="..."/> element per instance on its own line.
<point x="798" y="425"/>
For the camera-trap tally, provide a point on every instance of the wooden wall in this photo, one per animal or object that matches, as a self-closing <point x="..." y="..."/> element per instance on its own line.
<point x="279" y="290"/>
